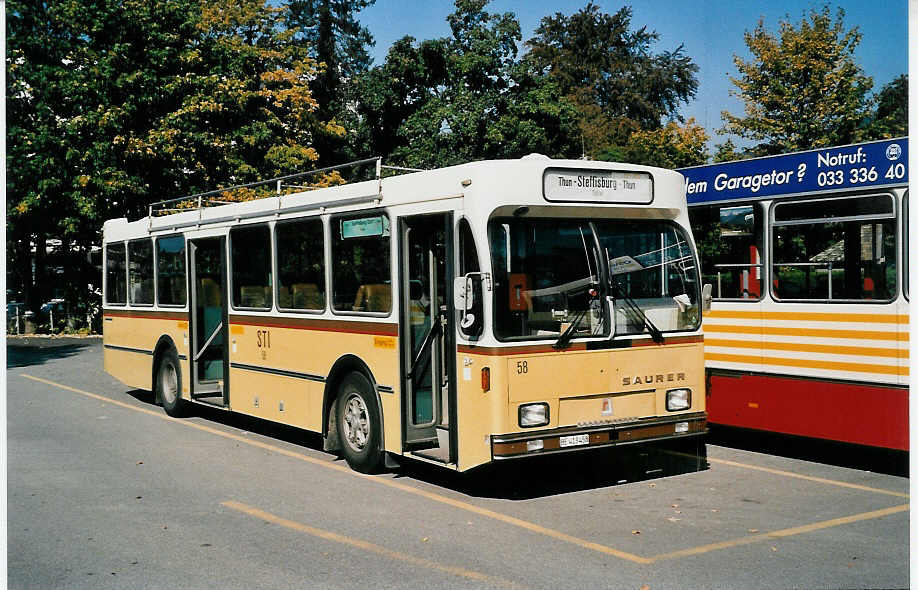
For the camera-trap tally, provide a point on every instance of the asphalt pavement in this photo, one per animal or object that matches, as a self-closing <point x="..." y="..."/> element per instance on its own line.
<point x="106" y="491"/>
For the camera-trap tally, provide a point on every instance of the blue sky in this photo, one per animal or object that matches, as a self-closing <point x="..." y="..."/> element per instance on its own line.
<point x="711" y="31"/>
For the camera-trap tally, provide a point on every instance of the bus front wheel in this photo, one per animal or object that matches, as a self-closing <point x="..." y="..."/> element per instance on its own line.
<point x="169" y="384"/>
<point x="358" y="424"/>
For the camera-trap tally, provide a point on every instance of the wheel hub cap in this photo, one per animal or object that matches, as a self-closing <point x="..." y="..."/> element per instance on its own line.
<point x="169" y="383"/>
<point x="356" y="423"/>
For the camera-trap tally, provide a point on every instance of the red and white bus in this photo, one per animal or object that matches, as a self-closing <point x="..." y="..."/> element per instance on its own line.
<point x="806" y="255"/>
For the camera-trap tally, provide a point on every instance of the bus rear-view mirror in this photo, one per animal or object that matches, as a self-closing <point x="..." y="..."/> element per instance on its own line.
<point x="463" y="293"/>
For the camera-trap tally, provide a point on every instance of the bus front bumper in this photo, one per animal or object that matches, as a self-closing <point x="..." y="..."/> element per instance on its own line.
<point x="592" y="436"/>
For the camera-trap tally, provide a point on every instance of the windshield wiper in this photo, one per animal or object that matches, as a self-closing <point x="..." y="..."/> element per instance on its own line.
<point x="565" y="339"/>
<point x="655" y="334"/>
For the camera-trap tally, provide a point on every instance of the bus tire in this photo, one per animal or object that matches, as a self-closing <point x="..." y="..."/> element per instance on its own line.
<point x="169" y="384"/>
<point x="358" y="424"/>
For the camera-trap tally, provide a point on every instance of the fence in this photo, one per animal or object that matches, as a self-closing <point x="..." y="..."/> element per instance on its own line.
<point x="54" y="318"/>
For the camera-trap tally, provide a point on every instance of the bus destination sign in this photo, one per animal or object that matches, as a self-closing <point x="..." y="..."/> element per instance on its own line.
<point x="597" y="186"/>
<point x="363" y="227"/>
<point x="865" y="165"/>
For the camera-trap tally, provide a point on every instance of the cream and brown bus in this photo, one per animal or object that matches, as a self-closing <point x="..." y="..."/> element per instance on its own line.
<point x="458" y="316"/>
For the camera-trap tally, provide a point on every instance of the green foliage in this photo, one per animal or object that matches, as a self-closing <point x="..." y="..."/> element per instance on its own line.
<point x="890" y="118"/>
<point x="331" y="34"/>
<point x="393" y="92"/>
<point x="461" y="98"/>
<point x="151" y="100"/>
<point x="802" y="88"/>
<point x="671" y="146"/>
<point x="247" y="111"/>
<point x="611" y="73"/>
<point x="116" y="104"/>
<point x="727" y="152"/>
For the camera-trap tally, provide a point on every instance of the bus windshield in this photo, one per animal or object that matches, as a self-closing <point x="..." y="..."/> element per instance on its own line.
<point x="651" y="263"/>
<point x="552" y="276"/>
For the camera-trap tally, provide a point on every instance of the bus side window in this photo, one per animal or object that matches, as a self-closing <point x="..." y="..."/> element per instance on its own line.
<point x="361" y="265"/>
<point x="115" y="274"/>
<point x="251" y="266"/>
<point x="170" y="270"/>
<point x="301" y="264"/>
<point x="841" y="248"/>
<point x="140" y="272"/>
<point x="729" y="240"/>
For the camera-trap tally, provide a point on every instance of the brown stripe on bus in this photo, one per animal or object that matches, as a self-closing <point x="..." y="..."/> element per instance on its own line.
<point x="145" y="314"/>
<point x="508" y="350"/>
<point x="322" y="325"/>
<point x="544" y="348"/>
<point x="669" y="340"/>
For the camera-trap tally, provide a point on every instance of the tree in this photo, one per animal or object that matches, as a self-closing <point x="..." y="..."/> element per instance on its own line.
<point x="727" y="152"/>
<point x="890" y="118"/>
<point x="393" y="92"/>
<point x="75" y="79"/>
<point x="118" y="104"/>
<point x="464" y="97"/>
<point x="247" y="111"/>
<point x="332" y="36"/>
<point x="802" y="88"/>
<point x="671" y="146"/>
<point x="611" y="73"/>
<point x="37" y="94"/>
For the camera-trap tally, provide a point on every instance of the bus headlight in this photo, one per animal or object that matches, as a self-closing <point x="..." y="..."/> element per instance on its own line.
<point x="678" y="399"/>
<point x="533" y="415"/>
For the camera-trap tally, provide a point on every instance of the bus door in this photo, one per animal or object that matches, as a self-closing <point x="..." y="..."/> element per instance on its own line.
<point x="209" y="366"/>
<point x="427" y="342"/>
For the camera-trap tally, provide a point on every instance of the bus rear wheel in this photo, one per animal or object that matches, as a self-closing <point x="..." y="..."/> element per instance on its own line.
<point x="358" y="424"/>
<point x="169" y="384"/>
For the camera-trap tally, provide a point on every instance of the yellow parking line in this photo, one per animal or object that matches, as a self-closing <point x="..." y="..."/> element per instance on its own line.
<point x="370" y="547"/>
<point x="833" y="482"/>
<point x="808" y="528"/>
<point x="97" y="396"/>
<point x="521" y="523"/>
<point x="513" y="520"/>
<point x="380" y="480"/>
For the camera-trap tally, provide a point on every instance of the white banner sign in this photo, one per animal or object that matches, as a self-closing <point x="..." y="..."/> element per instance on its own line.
<point x="597" y="186"/>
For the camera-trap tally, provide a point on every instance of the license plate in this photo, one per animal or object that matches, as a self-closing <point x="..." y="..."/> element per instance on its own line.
<point x="575" y="440"/>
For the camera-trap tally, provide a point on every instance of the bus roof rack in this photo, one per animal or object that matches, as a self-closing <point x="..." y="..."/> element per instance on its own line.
<point x="205" y="199"/>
